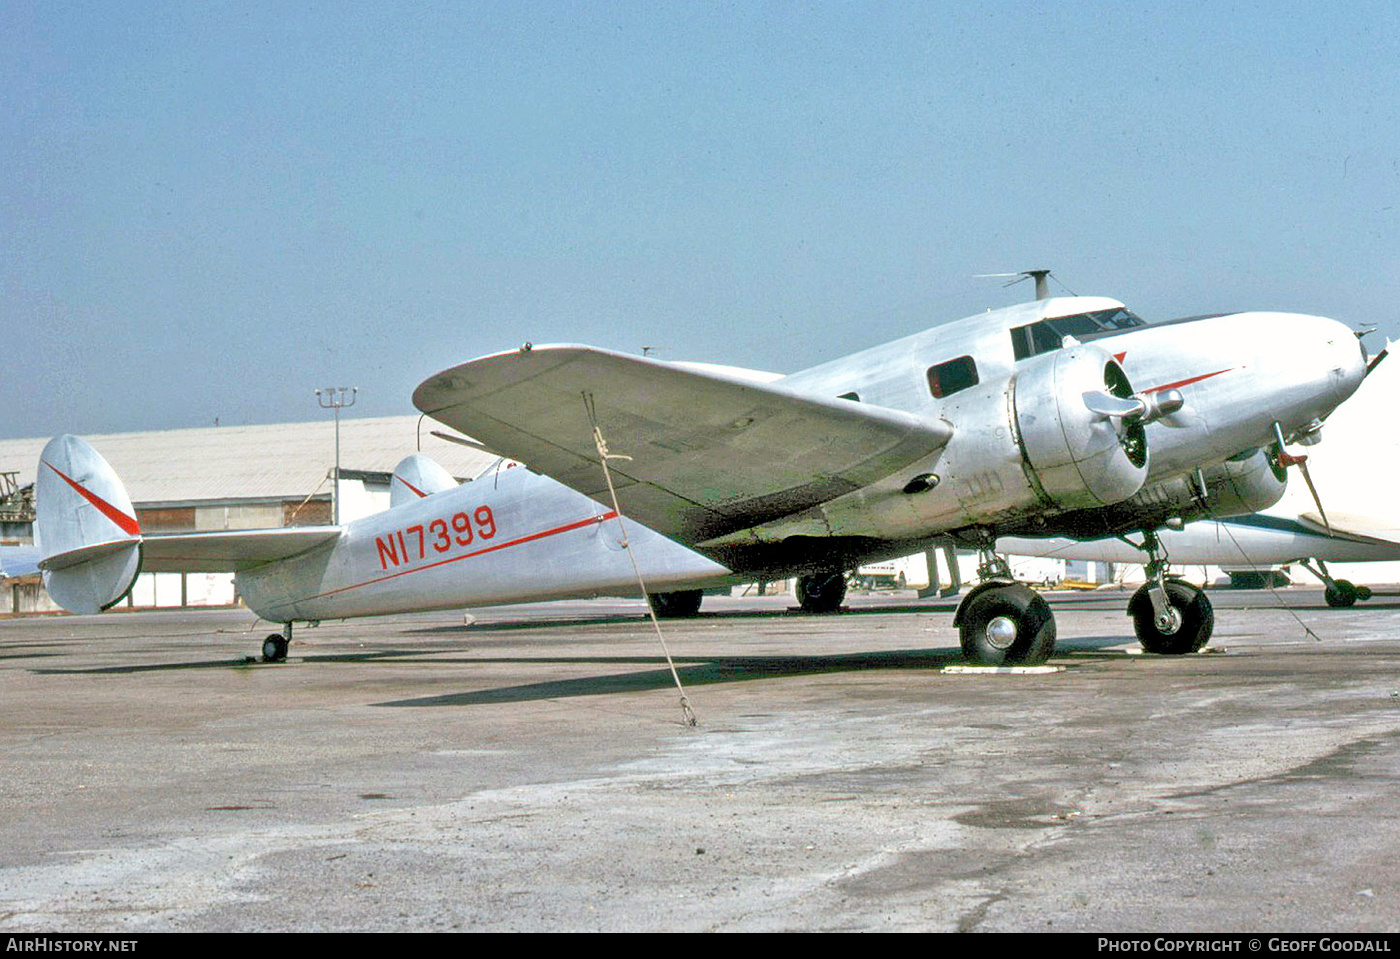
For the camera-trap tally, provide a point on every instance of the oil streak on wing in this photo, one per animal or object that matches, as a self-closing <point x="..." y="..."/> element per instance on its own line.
<point x="709" y="453"/>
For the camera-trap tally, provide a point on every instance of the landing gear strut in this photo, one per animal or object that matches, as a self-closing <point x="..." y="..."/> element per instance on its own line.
<point x="274" y="648"/>
<point x="1002" y="622"/>
<point x="821" y="592"/>
<point x="1170" y="616"/>
<point x="1340" y="593"/>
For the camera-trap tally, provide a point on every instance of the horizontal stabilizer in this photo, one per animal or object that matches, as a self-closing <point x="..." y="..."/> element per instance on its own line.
<point x="699" y="453"/>
<point x="230" y="551"/>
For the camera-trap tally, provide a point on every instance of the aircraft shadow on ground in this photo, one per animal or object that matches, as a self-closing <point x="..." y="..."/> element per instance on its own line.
<point x="705" y="672"/>
<point x="737" y="614"/>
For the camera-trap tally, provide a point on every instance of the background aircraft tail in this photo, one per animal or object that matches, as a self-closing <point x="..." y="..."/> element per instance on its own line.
<point x="415" y="477"/>
<point x="86" y="533"/>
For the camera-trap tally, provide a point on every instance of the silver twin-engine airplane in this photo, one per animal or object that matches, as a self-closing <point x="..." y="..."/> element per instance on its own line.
<point x="1066" y="416"/>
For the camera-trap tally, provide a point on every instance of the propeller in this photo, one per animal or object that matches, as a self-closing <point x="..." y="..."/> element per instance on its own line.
<point x="1147" y="407"/>
<point x="1287" y="459"/>
<point x="463" y="441"/>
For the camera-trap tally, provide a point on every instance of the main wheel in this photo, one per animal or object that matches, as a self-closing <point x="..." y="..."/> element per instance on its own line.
<point x="274" y="648"/>
<point x="1341" y="593"/>
<point x="821" y="592"/>
<point x="677" y="604"/>
<point x="1007" y="625"/>
<point x="1192" y="620"/>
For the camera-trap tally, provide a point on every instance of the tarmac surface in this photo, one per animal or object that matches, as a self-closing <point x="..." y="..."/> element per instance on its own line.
<point x="527" y="768"/>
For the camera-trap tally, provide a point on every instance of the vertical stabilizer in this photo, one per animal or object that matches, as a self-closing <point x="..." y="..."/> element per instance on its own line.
<point x="85" y="530"/>
<point x="415" y="477"/>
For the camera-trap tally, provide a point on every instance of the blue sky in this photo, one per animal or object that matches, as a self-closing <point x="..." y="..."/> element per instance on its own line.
<point x="209" y="210"/>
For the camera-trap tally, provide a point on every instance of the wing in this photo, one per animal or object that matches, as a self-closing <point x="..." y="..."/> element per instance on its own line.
<point x="1353" y="526"/>
<point x="708" y="453"/>
<point x="18" y="561"/>
<point x="229" y="551"/>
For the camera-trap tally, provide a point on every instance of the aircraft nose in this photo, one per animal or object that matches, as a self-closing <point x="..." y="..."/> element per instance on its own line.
<point x="1346" y="355"/>
<point x="1329" y="357"/>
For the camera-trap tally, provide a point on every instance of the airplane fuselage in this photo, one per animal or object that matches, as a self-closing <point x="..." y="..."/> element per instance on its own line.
<point x="517" y="536"/>
<point x="507" y="537"/>
<point x="1238" y="374"/>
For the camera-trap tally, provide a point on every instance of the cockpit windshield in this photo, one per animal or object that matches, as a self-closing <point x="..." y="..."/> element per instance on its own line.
<point x="1048" y="334"/>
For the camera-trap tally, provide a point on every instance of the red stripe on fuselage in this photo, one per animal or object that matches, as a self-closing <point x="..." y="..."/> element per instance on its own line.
<point x="1186" y="382"/>
<point x="127" y="524"/>
<point x="591" y="521"/>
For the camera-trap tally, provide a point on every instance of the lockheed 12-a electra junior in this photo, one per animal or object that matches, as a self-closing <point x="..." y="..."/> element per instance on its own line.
<point x="1065" y="416"/>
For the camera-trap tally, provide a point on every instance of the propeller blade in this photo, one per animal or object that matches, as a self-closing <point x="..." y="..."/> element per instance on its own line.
<point x="1287" y="459"/>
<point x="1106" y="404"/>
<point x="1376" y="360"/>
<point x="463" y="441"/>
<point x="1302" y="463"/>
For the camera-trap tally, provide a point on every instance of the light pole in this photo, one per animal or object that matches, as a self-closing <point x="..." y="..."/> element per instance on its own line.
<point x="334" y="398"/>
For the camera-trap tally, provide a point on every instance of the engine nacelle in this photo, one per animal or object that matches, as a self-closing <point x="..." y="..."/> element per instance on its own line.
<point x="1246" y="483"/>
<point x="1074" y="457"/>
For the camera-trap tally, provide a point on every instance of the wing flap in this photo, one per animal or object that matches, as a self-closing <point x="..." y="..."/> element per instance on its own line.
<point x="229" y="551"/>
<point x="706" y="453"/>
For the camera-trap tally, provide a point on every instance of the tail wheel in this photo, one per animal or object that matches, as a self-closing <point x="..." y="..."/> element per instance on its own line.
<point x="274" y="648"/>
<point x="1007" y="625"/>
<point x="821" y="592"/>
<point x="1191" y="620"/>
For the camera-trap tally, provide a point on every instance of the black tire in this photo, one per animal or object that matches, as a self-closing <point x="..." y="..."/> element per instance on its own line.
<point x="1363" y="593"/>
<point x="676" y="605"/>
<point x="274" y="648"/>
<point x="1197" y="620"/>
<point x="984" y="620"/>
<point x="1341" y="593"/>
<point x="821" y="592"/>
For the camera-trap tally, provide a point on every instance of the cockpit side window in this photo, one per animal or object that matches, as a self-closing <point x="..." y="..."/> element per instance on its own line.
<point x="1045" y="335"/>
<point x="945" y="379"/>
<point x="853" y="396"/>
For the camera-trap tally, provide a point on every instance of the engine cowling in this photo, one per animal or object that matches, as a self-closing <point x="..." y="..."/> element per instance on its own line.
<point x="1246" y="483"/>
<point x="1074" y="457"/>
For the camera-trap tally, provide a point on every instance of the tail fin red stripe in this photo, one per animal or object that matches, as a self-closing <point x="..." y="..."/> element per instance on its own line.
<point x="126" y="523"/>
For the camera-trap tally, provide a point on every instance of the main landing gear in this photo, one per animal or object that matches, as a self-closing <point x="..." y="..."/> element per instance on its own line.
<point x="1002" y="622"/>
<point x="1340" y="593"/>
<point x="1170" y="616"/>
<point x="821" y="592"/>
<point x="274" y="648"/>
<point x="679" y="604"/>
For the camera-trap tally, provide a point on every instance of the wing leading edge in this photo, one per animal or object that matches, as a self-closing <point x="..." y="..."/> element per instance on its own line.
<point x="707" y="453"/>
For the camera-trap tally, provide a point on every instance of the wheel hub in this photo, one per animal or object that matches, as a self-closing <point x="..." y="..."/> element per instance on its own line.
<point x="1170" y="621"/>
<point x="1001" y="632"/>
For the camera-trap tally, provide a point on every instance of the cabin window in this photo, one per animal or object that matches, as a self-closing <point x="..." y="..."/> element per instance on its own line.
<point x="945" y="379"/>
<point x="853" y="396"/>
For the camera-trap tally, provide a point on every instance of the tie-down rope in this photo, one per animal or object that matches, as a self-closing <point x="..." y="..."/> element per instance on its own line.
<point x="603" y="457"/>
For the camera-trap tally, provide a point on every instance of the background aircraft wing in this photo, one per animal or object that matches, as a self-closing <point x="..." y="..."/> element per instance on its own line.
<point x="709" y="453"/>
<point x="1353" y="526"/>
<point x="18" y="561"/>
<point x="228" y="551"/>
